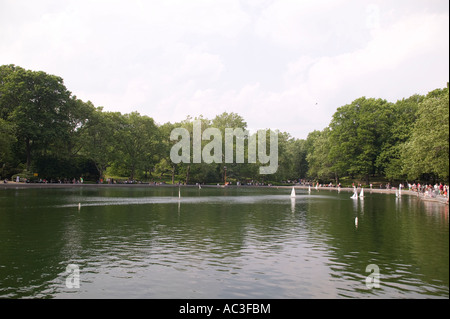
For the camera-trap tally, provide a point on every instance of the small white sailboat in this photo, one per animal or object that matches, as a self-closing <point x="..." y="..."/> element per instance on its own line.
<point x="293" y="192"/>
<point x="398" y="194"/>
<point x="361" y="194"/>
<point x="356" y="221"/>
<point x="179" y="192"/>
<point x="355" y="193"/>
<point x="309" y="189"/>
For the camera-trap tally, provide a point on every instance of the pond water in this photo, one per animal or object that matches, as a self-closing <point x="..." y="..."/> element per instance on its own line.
<point x="215" y="242"/>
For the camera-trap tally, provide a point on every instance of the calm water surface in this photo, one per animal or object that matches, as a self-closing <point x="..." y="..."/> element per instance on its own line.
<point x="145" y="242"/>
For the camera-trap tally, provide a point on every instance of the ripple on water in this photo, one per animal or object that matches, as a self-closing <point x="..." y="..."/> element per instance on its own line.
<point x="248" y="246"/>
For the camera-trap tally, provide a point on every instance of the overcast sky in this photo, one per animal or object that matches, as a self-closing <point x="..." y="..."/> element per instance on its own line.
<point x="280" y="64"/>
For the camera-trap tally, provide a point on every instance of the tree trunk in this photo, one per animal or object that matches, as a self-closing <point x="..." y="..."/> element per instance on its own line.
<point x="132" y="172"/>
<point x="173" y="174"/>
<point x="99" y="170"/>
<point x="28" y="151"/>
<point x="187" y="174"/>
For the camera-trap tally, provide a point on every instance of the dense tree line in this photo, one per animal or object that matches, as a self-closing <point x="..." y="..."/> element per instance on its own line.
<point x="406" y="140"/>
<point x="47" y="130"/>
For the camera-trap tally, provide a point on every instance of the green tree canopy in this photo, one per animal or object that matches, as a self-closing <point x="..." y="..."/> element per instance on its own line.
<point x="37" y="104"/>
<point x="358" y="130"/>
<point x="427" y="151"/>
<point x="46" y="128"/>
<point x="137" y="138"/>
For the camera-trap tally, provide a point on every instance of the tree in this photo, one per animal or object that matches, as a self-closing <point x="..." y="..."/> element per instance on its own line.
<point x="319" y="164"/>
<point x="357" y="132"/>
<point x="285" y="158"/>
<point x="36" y="103"/>
<point x="228" y="121"/>
<point x="298" y="153"/>
<point x="98" y="139"/>
<point x="137" y="137"/>
<point x="427" y="151"/>
<point x="164" y="163"/>
<point x="7" y="100"/>
<point x="7" y="139"/>
<point x="400" y="128"/>
<point x="77" y="115"/>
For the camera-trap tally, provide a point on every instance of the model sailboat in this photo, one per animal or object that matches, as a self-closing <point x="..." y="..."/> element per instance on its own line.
<point x="355" y="193"/>
<point x="293" y="192"/>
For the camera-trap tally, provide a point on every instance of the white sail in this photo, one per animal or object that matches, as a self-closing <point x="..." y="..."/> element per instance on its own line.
<point x="355" y="194"/>
<point x="293" y="192"/>
<point x="309" y="189"/>
<point x="361" y="195"/>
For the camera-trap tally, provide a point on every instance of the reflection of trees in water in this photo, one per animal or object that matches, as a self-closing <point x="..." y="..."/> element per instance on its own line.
<point x="406" y="238"/>
<point x="312" y="238"/>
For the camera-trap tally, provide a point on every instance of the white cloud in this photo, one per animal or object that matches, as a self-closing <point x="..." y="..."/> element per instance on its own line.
<point x="198" y="66"/>
<point x="270" y="61"/>
<point x="313" y="26"/>
<point x="371" y="68"/>
<point x="332" y="81"/>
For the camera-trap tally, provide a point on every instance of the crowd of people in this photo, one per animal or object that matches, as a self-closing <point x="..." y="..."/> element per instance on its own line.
<point x="426" y="190"/>
<point x="430" y="190"/>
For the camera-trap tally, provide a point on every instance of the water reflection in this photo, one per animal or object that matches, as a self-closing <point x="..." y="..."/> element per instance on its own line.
<point x="221" y="243"/>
